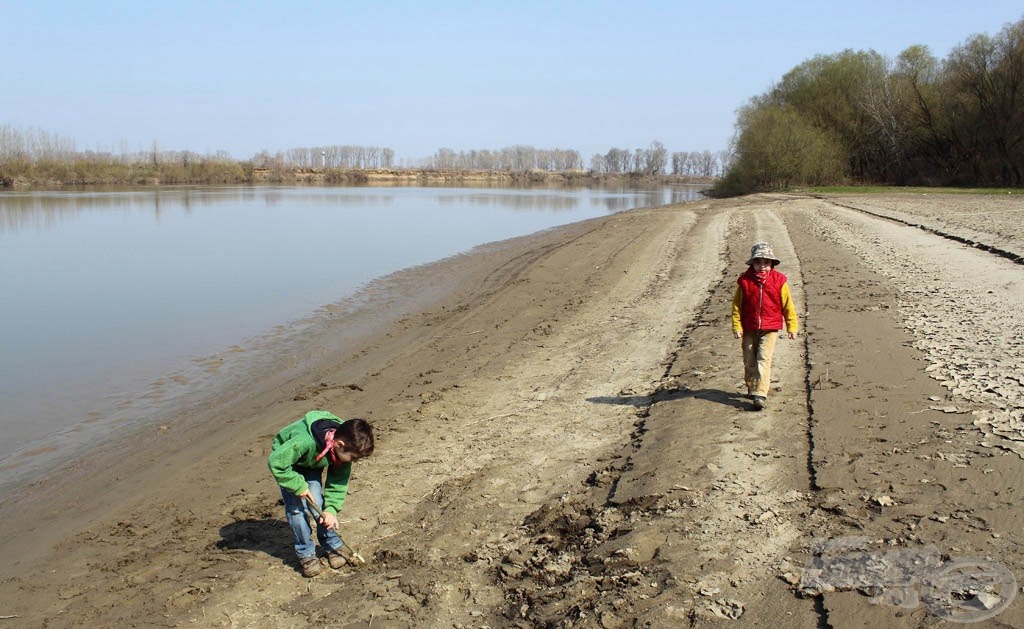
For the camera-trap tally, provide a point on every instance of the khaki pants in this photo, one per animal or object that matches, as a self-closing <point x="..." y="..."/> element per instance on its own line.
<point x="758" y="347"/>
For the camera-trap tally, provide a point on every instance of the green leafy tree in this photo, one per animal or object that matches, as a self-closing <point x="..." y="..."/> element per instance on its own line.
<point x="829" y="92"/>
<point x="777" y="148"/>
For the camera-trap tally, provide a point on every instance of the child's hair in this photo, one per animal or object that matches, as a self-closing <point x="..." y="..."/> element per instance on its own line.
<point x="357" y="435"/>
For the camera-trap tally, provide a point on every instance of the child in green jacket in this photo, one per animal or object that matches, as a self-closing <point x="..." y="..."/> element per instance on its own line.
<point x="301" y="452"/>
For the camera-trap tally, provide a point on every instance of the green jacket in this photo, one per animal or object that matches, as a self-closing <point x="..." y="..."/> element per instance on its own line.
<point x="294" y="446"/>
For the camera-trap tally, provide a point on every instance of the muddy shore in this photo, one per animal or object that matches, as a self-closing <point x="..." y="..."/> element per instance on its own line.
<point x="562" y="442"/>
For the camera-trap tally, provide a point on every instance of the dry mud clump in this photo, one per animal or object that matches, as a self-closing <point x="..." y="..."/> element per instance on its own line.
<point x="557" y="570"/>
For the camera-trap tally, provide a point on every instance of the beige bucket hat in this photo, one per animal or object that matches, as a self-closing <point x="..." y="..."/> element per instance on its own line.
<point x="763" y="250"/>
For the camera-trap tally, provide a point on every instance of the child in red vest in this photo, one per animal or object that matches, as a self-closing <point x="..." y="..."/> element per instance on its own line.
<point x="761" y="307"/>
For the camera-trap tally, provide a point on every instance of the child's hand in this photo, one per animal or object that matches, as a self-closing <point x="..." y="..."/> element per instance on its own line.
<point x="792" y="335"/>
<point x="737" y="334"/>
<point x="329" y="520"/>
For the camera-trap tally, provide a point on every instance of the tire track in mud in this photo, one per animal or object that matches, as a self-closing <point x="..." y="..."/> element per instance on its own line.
<point x="895" y="460"/>
<point x="970" y="242"/>
<point x="589" y="373"/>
<point x="539" y="390"/>
<point x="610" y="551"/>
<point x="559" y="568"/>
<point x="512" y="439"/>
<point x="762" y="485"/>
<point x="788" y="251"/>
<point x="504" y="602"/>
<point x="973" y="365"/>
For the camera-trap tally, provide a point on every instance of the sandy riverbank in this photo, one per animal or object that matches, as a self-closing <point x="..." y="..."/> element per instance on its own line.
<point x="562" y="439"/>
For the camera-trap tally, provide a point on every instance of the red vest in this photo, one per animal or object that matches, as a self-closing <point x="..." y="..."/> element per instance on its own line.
<point x="762" y="304"/>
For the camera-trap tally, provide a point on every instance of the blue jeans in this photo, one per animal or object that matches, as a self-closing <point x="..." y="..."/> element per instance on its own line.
<point x="298" y="514"/>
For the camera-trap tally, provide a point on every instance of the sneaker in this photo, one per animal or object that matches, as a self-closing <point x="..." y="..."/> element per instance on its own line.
<point x="310" y="566"/>
<point x="759" y="402"/>
<point x="335" y="559"/>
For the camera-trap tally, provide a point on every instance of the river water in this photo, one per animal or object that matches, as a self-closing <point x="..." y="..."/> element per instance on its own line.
<point x="104" y="292"/>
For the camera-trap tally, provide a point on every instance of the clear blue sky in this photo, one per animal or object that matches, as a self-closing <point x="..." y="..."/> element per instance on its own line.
<point x="418" y="76"/>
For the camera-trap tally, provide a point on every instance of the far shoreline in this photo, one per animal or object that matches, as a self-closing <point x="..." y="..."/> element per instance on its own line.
<point x="89" y="176"/>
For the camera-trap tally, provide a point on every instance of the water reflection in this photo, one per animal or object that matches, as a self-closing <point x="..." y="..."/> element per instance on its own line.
<point x="105" y="292"/>
<point x="44" y="210"/>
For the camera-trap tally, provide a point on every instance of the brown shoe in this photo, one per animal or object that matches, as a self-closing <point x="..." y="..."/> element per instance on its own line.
<point x="310" y="566"/>
<point x="335" y="559"/>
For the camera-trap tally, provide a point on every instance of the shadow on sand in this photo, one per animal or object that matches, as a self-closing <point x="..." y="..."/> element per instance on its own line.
<point x="727" y="398"/>
<point x="267" y="535"/>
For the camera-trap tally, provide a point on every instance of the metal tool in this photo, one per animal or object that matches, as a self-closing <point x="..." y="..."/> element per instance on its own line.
<point x="355" y="555"/>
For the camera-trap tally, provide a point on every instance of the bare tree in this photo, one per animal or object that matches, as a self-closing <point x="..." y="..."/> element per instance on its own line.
<point x="654" y="159"/>
<point x="724" y="162"/>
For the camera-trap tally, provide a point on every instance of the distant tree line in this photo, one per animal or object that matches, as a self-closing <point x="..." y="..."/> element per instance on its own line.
<point x="859" y="116"/>
<point x="344" y="157"/>
<point x="654" y="159"/>
<point x="38" y="157"/>
<point x="700" y="163"/>
<point x="513" y="158"/>
<point x="649" y="161"/>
